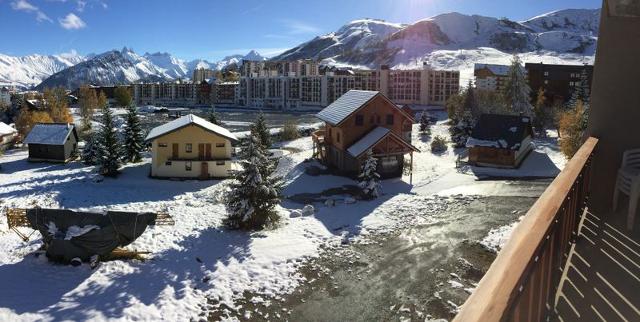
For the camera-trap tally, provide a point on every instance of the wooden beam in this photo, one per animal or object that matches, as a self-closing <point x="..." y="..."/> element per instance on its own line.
<point x="492" y="298"/>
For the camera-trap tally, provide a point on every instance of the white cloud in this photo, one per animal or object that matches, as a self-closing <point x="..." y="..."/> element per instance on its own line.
<point x="24" y="5"/>
<point x="81" y="5"/>
<point x="297" y="27"/>
<point x="71" y="21"/>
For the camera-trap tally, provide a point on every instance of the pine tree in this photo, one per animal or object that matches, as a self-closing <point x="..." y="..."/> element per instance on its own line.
<point x="91" y="148"/>
<point x="581" y="91"/>
<point x="255" y="191"/>
<point x="517" y="91"/>
<point x="213" y="118"/>
<point x="133" y="137"/>
<point x="461" y="131"/>
<point x="369" y="177"/>
<point x="425" y="126"/>
<point x="470" y="102"/>
<point x="109" y="148"/>
<point x="262" y="131"/>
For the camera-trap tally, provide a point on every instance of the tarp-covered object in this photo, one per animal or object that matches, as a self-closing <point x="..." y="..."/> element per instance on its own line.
<point x="68" y="234"/>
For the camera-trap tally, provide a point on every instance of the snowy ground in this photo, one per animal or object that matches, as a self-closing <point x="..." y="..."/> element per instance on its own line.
<point x="197" y="259"/>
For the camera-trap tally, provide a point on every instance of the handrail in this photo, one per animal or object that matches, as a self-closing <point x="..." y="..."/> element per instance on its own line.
<point x="519" y="284"/>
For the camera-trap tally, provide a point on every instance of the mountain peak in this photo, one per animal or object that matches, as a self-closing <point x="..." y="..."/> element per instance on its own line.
<point x="253" y="55"/>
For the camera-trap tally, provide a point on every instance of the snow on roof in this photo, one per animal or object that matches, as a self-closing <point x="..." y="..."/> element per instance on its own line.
<point x="368" y="141"/>
<point x="187" y="120"/>
<point x="345" y="105"/>
<point x="500" y="131"/>
<point x="6" y="129"/>
<point x="49" y="133"/>
<point x="500" y="70"/>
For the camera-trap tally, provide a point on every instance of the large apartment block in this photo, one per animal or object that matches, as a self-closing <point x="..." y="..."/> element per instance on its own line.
<point x="558" y="81"/>
<point x="301" y="83"/>
<point x="167" y="94"/>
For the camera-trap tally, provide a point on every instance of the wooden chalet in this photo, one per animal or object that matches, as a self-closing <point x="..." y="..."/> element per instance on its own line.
<point x="360" y="121"/>
<point x="501" y="141"/>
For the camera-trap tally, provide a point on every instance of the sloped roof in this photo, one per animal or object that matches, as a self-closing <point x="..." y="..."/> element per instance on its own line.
<point x="500" y="131"/>
<point x="50" y="133"/>
<point x="371" y="139"/>
<point x="499" y="70"/>
<point x="345" y="105"/>
<point x="6" y="129"/>
<point x="188" y="120"/>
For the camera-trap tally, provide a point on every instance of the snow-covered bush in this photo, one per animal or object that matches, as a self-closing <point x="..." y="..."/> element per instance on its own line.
<point x="369" y="177"/>
<point x="439" y="144"/>
<point x="289" y="131"/>
<point x="425" y="126"/>
<point x="308" y="210"/>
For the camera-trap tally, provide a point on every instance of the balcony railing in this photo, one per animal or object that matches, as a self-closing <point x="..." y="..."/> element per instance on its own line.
<point x="522" y="282"/>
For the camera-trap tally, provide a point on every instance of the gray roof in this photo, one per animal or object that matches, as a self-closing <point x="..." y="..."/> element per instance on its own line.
<point x="500" y="131"/>
<point x="345" y="106"/>
<point x="187" y="120"/>
<point x="368" y="141"/>
<point x="50" y="133"/>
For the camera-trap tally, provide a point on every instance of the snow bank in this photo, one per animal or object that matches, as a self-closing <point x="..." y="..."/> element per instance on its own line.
<point x="498" y="237"/>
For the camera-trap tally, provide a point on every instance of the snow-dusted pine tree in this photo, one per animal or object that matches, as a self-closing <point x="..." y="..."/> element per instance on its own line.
<point x="133" y="137"/>
<point x="109" y="153"/>
<point x="369" y="177"/>
<point x="462" y="130"/>
<point x="255" y="191"/>
<point x="516" y="90"/>
<point x="91" y="148"/>
<point x="581" y="92"/>
<point x="213" y="118"/>
<point x="425" y="125"/>
<point x="262" y="131"/>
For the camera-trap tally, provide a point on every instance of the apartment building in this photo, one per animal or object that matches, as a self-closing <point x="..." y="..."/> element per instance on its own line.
<point x="284" y="85"/>
<point x="224" y="93"/>
<point x="490" y="77"/>
<point x="558" y="81"/>
<point x="202" y="74"/>
<point x="167" y="94"/>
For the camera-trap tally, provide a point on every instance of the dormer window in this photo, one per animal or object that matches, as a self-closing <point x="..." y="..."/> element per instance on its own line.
<point x="359" y="120"/>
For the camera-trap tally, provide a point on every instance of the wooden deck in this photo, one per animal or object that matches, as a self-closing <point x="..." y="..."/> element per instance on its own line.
<point x="602" y="279"/>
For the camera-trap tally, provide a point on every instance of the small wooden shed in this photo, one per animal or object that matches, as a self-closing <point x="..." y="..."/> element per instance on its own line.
<point x="52" y="142"/>
<point x="501" y="141"/>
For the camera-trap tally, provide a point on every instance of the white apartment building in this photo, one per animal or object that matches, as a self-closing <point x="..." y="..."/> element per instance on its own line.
<point x="284" y="85"/>
<point x="5" y="96"/>
<point x="166" y="94"/>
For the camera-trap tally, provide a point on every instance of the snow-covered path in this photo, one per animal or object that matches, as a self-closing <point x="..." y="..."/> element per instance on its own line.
<point x="197" y="259"/>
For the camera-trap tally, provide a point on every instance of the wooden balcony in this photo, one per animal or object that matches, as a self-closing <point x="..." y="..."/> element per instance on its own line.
<point x="526" y="279"/>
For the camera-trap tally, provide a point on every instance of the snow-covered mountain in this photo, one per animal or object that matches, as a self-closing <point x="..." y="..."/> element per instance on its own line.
<point x="374" y="42"/>
<point x="28" y="71"/>
<point x="125" y="66"/>
<point x="236" y="59"/>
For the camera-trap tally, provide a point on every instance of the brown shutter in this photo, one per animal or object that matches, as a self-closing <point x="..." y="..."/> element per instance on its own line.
<point x="175" y="150"/>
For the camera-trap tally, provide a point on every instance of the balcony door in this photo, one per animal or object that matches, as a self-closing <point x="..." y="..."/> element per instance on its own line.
<point x="201" y="151"/>
<point x="174" y="153"/>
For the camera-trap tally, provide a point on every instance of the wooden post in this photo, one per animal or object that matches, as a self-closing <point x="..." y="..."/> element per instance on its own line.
<point x="411" y="169"/>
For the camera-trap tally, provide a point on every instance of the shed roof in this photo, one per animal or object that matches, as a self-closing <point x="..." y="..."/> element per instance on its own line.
<point x="50" y="133"/>
<point x="371" y="139"/>
<point x="500" y="131"/>
<point x="188" y="120"/>
<point x="6" y="129"/>
<point x="345" y="105"/>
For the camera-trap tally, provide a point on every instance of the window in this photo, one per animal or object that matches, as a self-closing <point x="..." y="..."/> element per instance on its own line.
<point x="389" y="119"/>
<point x="188" y="148"/>
<point x="162" y="145"/>
<point x="187" y="166"/>
<point x="167" y="163"/>
<point x="359" y="120"/>
<point x="219" y="145"/>
<point x="546" y="73"/>
<point x="219" y="162"/>
<point x="338" y="137"/>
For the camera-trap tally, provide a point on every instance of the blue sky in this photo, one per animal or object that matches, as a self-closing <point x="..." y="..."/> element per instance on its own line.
<point x="213" y="29"/>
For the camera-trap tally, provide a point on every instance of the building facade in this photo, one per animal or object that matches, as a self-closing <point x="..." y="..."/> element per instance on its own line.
<point x="283" y="85"/>
<point x="191" y="147"/>
<point x="558" y="81"/>
<point x="168" y="94"/>
<point x="490" y="77"/>
<point x="5" y="96"/>
<point x="362" y="121"/>
<point x="203" y="74"/>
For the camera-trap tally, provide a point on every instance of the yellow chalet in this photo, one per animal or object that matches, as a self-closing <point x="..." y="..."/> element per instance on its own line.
<point x="191" y="147"/>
